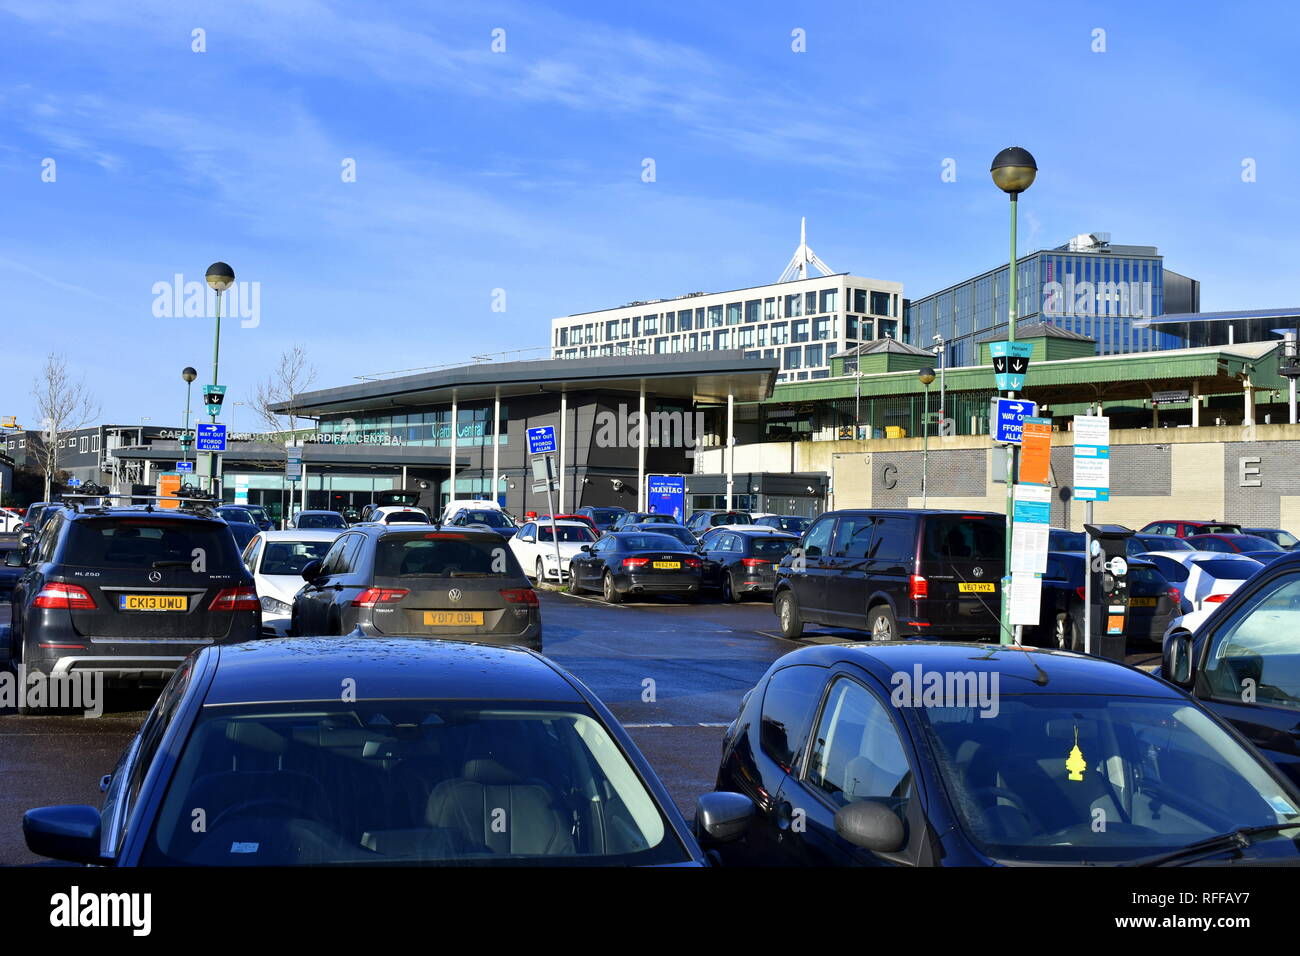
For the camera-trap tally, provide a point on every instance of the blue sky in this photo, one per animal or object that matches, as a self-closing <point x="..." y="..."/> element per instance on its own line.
<point x="522" y="170"/>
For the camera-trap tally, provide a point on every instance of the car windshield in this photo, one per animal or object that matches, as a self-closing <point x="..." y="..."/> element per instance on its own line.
<point x="730" y="517"/>
<point x="677" y="531"/>
<point x="606" y="515"/>
<point x="407" y="782"/>
<point x="122" y="543"/>
<point x="1252" y="542"/>
<point x="290" y="557"/>
<point x="493" y="519"/>
<point x="1285" y="538"/>
<point x="649" y="542"/>
<point x="793" y="525"/>
<point x="1226" y="568"/>
<point x="236" y="514"/>
<point x="964" y="537"/>
<point x="1164" y="542"/>
<point x="330" y="520"/>
<point x="411" y="517"/>
<point x="1217" y="529"/>
<point x="774" y="549"/>
<point x="1033" y="782"/>
<point x="443" y="554"/>
<point x="567" y="533"/>
<point x="656" y="519"/>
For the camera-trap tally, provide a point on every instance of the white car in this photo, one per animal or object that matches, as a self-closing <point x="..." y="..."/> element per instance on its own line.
<point x="534" y="548"/>
<point x="9" y="521"/>
<point x="457" y="505"/>
<point x="276" y="560"/>
<point x="398" y="514"/>
<point x="1205" y="578"/>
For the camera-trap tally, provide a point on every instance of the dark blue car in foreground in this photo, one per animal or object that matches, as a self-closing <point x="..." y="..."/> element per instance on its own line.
<point x="379" y="751"/>
<point x="939" y="754"/>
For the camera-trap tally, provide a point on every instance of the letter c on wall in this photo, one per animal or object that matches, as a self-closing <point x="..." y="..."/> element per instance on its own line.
<point x="889" y="476"/>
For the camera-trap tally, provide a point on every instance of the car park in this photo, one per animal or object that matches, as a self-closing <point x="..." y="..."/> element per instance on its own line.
<point x="793" y="524"/>
<point x="318" y="520"/>
<point x="842" y="739"/>
<point x="409" y="771"/>
<point x="895" y="572"/>
<point x="740" y="562"/>
<point x="129" y="592"/>
<point x="1185" y="529"/>
<point x="433" y="582"/>
<point x="276" y="560"/>
<point x="702" y="521"/>
<point x="1243" y="661"/>
<point x="1281" y="538"/>
<point x="602" y="518"/>
<point x="493" y="519"/>
<point x="535" y="548"/>
<point x="636" y="564"/>
<point x="1153" y="602"/>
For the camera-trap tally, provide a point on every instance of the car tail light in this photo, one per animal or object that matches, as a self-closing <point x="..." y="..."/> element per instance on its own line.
<point x="635" y="562"/>
<point x="1175" y="595"/>
<point x="693" y="562"/>
<point x="1082" y="592"/>
<point x="1215" y="599"/>
<point x="373" y="596"/>
<point x="754" y="562"/>
<point x="56" y="595"/>
<point x="520" y="596"/>
<point x="235" y="599"/>
<point x="918" y="587"/>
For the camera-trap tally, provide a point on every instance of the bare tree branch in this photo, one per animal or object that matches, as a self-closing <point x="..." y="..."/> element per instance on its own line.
<point x="293" y="375"/>
<point x="62" y="406"/>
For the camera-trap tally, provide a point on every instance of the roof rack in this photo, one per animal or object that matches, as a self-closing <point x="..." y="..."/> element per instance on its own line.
<point x="195" y="503"/>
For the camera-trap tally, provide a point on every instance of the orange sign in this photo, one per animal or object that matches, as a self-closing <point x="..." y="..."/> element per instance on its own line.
<point x="169" y="485"/>
<point x="1036" y="452"/>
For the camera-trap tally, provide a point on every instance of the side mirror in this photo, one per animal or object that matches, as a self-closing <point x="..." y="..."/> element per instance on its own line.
<point x="63" y="833"/>
<point x="723" y="817"/>
<point x="1176" y="659"/>
<point x="527" y="537"/>
<point x="585" y="547"/>
<point x="15" y="559"/>
<point x="872" y="826"/>
<point x="813" y="552"/>
<point x="312" y="571"/>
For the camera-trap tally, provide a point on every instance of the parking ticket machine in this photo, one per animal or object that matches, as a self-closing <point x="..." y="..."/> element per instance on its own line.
<point x="1106" y="589"/>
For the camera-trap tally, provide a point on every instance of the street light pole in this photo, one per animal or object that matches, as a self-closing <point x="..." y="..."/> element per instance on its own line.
<point x="220" y="277"/>
<point x="189" y="375"/>
<point x="926" y="375"/>
<point x="1013" y="172"/>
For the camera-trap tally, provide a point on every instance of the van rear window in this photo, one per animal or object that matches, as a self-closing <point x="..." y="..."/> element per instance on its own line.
<point x="964" y="538"/>
<point x="145" y="542"/>
<point x="443" y="554"/>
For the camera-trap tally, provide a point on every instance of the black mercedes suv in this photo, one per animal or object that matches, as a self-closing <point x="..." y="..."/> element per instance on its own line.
<point x="128" y="591"/>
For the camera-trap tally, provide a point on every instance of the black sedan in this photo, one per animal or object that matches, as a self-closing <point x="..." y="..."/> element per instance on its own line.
<point x="444" y="753"/>
<point x="1153" y="602"/>
<point x="739" y="563"/>
<point x="939" y="754"/>
<point x="636" y="563"/>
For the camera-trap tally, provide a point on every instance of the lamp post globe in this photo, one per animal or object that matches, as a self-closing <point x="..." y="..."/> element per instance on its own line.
<point x="189" y="374"/>
<point x="220" y="276"/>
<point x="926" y="375"/>
<point x="1013" y="170"/>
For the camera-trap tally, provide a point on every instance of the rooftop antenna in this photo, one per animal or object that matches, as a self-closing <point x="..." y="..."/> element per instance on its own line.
<point x="803" y="257"/>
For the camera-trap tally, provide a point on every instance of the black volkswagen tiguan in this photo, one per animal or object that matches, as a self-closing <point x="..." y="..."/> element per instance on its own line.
<point x="129" y="592"/>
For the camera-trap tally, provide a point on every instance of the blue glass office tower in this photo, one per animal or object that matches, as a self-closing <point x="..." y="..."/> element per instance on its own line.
<point x="1087" y="286"/>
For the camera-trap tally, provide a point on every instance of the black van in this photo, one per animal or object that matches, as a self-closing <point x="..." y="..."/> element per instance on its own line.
<point x="904" y="572"/>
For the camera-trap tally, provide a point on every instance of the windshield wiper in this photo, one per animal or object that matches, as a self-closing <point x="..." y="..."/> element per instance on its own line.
<point x="1237" y="839"/>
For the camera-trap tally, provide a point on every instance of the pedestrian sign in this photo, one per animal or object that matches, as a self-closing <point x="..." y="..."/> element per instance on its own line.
<point x="213" y="396"/>
<point x="1009" y="415"/>
<point x="1010" y="364"/>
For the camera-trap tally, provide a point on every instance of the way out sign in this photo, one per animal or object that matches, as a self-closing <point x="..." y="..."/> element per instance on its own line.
<point x="1009" y="415"/>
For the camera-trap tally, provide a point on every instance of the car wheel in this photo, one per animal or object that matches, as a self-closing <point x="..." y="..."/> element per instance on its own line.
<point x="573" y="579"/>
<point x="787" y="612"/>
<point x="610" y="592"/>
<point x="882" y="624"/>
<point x="540" y="572"/>
<point x="729" y="589"/>
<point x="1067" y="637"/>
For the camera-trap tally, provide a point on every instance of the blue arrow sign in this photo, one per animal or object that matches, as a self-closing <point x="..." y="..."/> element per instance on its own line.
<point x="185" y="467"/>
<point x="211" y="437"/>
<point x="541" y="440"/>
<point x="1009" y="415"/>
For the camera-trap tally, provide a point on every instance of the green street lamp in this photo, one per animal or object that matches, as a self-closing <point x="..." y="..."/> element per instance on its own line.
<point x="1013" y="172"/>
<point x="188" y="374"/>
<point x="926" y="376"/>
<point x="220" y="278"/>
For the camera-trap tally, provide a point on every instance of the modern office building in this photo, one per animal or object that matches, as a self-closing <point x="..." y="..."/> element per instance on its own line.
<point x="800" y="320"/>
<point x="1088" y="285"/>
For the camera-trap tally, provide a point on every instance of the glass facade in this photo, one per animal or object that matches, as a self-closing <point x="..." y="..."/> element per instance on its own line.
<point x="419" y="428"/>
<point x="1097" y="295"/>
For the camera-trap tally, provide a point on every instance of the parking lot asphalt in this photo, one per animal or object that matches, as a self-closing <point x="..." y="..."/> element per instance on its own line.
<point x="673" y="673"/>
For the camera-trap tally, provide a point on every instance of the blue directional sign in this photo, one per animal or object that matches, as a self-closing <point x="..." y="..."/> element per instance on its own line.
<point x="74" y="482"/>
<point x="211" y="437"/>
<point x="1010" y="364"/>
<point x="185" y="467"/>
<point x="1009" y="415"/>
<point x="541" y="440"/>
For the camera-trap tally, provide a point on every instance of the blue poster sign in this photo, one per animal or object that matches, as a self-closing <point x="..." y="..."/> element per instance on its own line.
<point x="1009" y="415"/>
<point x="211" y="437"/>
<point x="541" y="440"/>
<point x="185" y="467"/>
<point x="666" y="495"/>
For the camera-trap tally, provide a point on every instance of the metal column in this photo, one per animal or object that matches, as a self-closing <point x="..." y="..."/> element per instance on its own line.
<point x="455" y="423"/>
<point x="496" y="445"/>
<point x="640" y="454"/>
<point x="564" y="418"/>
<point x="731" y="445"/>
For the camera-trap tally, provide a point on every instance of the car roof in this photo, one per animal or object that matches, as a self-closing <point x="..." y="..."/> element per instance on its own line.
<point x="559" y="522"/>
<point x="763" y="530"/>
<point x="1022" y="670"/>
<point x="311" y="668"/>
<point x="302" y="534"/>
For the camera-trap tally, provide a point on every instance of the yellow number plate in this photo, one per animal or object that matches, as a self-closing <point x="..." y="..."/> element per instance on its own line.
<point x="153" y="602"/>
<point x="983" y="588"/>
<point x="1142" y="602"/>
<point x="453" y="618"/>
<point x="667" y="565"/>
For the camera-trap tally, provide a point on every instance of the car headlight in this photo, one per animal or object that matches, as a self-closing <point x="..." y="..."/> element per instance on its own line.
<point x="275" y="606"/>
